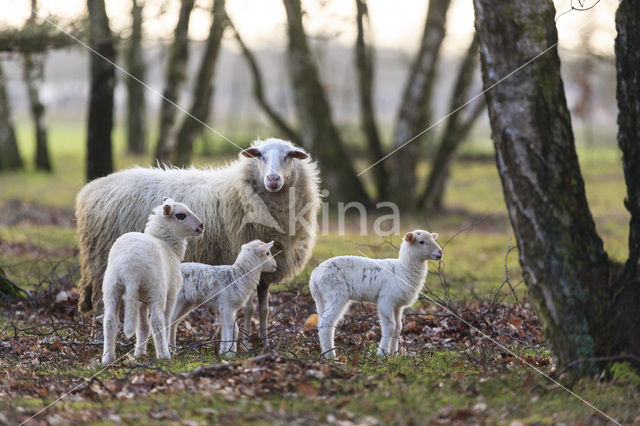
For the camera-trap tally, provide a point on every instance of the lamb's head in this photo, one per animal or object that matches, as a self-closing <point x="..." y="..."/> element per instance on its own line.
<point x="275" y="161"/>
<point x="182" y="218"/>
<point x="259" y="253"/>
<point x="421" y="245"/>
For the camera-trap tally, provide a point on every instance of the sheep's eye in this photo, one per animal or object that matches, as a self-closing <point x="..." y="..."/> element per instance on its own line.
<point x="180" y="216"/>
<point x="421" y="242"/>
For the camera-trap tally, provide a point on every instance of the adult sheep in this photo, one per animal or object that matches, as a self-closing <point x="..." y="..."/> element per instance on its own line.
<point x="270" y="193"/>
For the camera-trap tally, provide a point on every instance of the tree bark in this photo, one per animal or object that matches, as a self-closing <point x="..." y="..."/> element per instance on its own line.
<point x="9" y="154"/>
<point x="563" y="260"/>
<point x="455" y="132"/>
<point x="100" y="123"/>
<point x="258" y="92"/>
<point x="627" y="49"/>
<point x="203" y="90"/>
<point x="319" y="133"/>
<point x="136" y="105"/>
<point x="364" y="68"/>
<point x="415" y="108"/>
<point x="176" y="69"/>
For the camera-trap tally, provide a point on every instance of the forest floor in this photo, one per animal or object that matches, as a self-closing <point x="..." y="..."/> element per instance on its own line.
<point x="472" y="346"/>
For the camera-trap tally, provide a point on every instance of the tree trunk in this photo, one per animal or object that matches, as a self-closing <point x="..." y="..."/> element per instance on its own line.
<point x="9" y="154"/>
<point x="455" y="132"/>
<point x="33" y="76"/>
<point x="364" y="68"/>
<point x="627" y="48"/>
<point x="258" y="92"/>
<point x="319" y="133"/>
<point x="564" y="263"/>
<point x="136" y="105"/>
<point x="415" y="108"/>
<point x="203" y="90"/>
<point x="100" y="123"/>
<point x="176" y="69"/>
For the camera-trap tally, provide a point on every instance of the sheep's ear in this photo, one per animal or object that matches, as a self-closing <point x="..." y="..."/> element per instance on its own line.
<point x="297" y="154"/>
<point x="408" y="237"/>
<point x="434" y="235"/>
<point x="251" y="153"/>
<point x="167" y="210"/>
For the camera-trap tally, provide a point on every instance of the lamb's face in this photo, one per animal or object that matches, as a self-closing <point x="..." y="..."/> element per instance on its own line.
<point x="261" y="254"/>
<point x="275" y="160"/>
<point x="422" y="244"/>
<point x="185" y="220"/>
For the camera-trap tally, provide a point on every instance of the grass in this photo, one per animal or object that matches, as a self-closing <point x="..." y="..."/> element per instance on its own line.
<point x="433" y="386"/>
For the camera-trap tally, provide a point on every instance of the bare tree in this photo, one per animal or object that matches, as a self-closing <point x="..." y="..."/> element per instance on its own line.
<point x="9" y="154"/>
<point x="258" y="92"/>
<point x="203" y="90"/>
<point x="33" y="67"/>
<point x="364" y="68"/>
<point x="414" y="111"/>
<point x="318" y="131"/>
<point x="587" y="310"/>
<point x="456" y="130"/>
<point x="136" y="105"/>
<point x="176" y="68"/>
<point x="100" y="122"/>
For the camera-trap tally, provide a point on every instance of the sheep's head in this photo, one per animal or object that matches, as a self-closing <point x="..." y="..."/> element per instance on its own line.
<point x="186" y="221"/>
<point x="275" y="160"/>
<point x="422" y="245"/>
<point x="262" y="253"/>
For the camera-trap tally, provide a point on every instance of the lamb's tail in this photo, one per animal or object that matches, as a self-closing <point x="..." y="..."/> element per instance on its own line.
<point x="131" y="309"/>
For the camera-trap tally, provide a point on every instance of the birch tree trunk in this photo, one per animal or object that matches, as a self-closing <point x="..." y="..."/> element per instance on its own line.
<point x="136" y="105"/>
<point x="176" y="69"/>
<point x="319" y="133"/>
<point x="203" y="90"/>
<point x="414" y="114"/>
<point x="9" y="153"/>
<point x="100" y="122"/>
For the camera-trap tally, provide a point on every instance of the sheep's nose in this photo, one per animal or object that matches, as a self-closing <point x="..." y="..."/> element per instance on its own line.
<point x="273" y="181"/>
<point x="201" y="226"/>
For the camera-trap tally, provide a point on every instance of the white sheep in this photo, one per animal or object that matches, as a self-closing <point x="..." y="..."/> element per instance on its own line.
<point x="393" y="284"/>
<point x="271" y="193"/>
<point x="225" y="289"/>
<point x="145" y="269"/>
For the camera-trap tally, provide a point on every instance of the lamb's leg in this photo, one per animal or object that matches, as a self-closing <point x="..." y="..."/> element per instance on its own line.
<point x="398" y="329"/>
<point x="110" y="324"/>
<point x="263" y="309"/>
<point x="159" y="332"/>
<point x="234" y="347"/>
<point x="142" y="333"/>
<point x="248" y="313"/>
<point x="327" y="325"/>
<point x="387" y="325"/>
<point x="181" y="309"/>
<point x="227" y="323"/>
<point x="168" y="315"/>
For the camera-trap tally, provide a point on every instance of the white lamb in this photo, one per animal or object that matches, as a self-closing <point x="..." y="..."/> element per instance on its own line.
<point x="145" y="269"/>
<point x="393" y="284"/>
<point x="224" y="288"/>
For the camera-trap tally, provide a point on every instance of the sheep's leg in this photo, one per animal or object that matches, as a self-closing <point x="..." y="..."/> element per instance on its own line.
<point x="159" y="332"/>
<point x="110" y="324"/>
<point x="388" y="326"/>
<point x="396" y="333"/>
<point x="142" y="333"/>
<point x="263" y="309"/>
<point x="327" y="325"/>
<point x="227" y="323"/>
<point x="248" y="313"/>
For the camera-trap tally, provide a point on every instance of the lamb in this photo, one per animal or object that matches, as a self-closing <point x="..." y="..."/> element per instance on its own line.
<point x="270" y="193"/>
<point x="145" y="269"/>
<point x="225" y="289"/>
<point x="393" y="284"/>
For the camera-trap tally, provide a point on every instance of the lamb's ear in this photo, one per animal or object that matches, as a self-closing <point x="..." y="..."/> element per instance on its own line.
<point x="252" y="153"/>
<point x="167" y="209"/>
<point x="434" y="235"/>
<point x="264" y="248"/>
<point x="295" y="153"/>
<point x="408" y="237"/>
